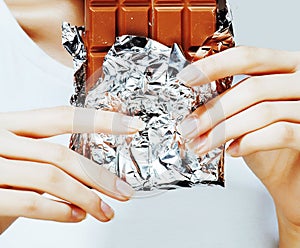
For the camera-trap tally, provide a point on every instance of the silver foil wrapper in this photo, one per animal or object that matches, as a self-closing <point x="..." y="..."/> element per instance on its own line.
<point x="139" y="79"/>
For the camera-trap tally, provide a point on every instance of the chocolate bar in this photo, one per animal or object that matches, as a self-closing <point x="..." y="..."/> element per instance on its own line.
<point x="185" y="22"/>
<point x="139" y="78"/>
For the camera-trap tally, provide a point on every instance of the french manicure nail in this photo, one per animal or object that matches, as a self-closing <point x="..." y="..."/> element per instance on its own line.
<point x="232" y="150"/>
<point x="133" y="122"/>
<point x="107" y="210"/>
<point x="189" y="128"/>
<point x="124" y="188"/>
<point x="192" y="76"/>
<point x="78" y="214"/>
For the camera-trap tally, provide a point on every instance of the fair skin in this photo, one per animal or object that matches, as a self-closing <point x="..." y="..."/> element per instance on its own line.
<point x="30" y="166"/>
<point x="260" y="116"/>
<point x="42" y="19"/>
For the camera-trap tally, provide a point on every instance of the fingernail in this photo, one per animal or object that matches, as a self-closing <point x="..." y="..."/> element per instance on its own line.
<point x="78" y="214"/>
<point x="189" y="127"/>
<point x="107" y="210"/>
<point x="124" y="188"/>
<point x="198" y="145"/>
<point x="133" y="123"/>
<point x="192" y="76"/>
<point x="233" y="150"/>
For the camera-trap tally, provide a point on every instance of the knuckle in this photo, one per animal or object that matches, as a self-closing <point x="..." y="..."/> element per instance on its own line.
<point x="266" y="110"/>
<point x="52" y="176"/>
<point x="30" y="203"/>
<point x="242" y="50"/>
<point x="91" y="203"/>
<point x="62" y="154"/>
<point x="253" y="89"/>
<point x="94" y="201"/>
<point x="285" y="132"/>
<point x="246" y="54"/>
<point x="249" y="55"/>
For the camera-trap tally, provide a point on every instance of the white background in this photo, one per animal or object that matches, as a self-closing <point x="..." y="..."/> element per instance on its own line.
<point x="267" y="23"/>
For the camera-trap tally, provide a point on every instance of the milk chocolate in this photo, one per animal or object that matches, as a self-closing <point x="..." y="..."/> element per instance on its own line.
<point x="185" y="22"/>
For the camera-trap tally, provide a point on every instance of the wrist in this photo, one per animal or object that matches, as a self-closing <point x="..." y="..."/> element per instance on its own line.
<point x="289" y="233"/>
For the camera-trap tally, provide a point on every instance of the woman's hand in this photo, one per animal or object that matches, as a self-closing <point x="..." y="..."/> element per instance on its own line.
<point x="261" y="115"/>
<point x="30" y="166"/>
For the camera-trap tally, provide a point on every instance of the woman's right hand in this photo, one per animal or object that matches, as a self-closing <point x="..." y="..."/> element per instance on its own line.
<point x="30" y="166"/>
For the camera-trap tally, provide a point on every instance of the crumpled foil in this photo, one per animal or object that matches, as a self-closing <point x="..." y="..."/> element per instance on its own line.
<point x="73" y="43"/>
<point x="139" y="79"/>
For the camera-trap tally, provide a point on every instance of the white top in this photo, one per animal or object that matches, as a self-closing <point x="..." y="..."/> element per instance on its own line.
<point x="240" y="215"/>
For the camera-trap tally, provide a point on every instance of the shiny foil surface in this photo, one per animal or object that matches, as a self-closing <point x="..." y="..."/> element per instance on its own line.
<point x="139" y="79"/>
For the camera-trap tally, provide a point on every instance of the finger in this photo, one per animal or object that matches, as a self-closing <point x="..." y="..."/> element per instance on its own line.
<point x="250" y="92"/>
<point x="32" y="205"/>
<point x="77" y="166"/>
<point x="276" y="136"/>
<point x="5" y="222"/>
<point x="49" y="179"/>
<point x="240" y="60"/>
<point x="60" y="120"/>
<point x="249" y="120"/>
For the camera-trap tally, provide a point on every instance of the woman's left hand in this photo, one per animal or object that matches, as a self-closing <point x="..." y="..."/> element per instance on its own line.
<point x="261" y="115"/>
